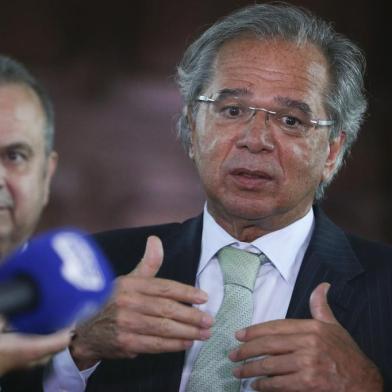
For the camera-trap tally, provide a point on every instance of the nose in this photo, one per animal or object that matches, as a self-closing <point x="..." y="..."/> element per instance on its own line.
<point x="256" y="135"/>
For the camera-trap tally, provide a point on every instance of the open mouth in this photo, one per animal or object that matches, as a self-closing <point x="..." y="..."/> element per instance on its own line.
<point x="251" y="174"/>
<point x="250" y="179"/>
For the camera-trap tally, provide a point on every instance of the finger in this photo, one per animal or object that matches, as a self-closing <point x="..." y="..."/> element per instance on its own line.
<point x="154" y="344"/>
<point x="19" y="350"/>
<point x="319" y="307"/>
<point x="269" y="366"/>
<point x="287" y="382"/>
<point x="152" y="260"/>
<point x="167" y="309"/>
<point x="275" y="327"/>
<point x="269" y="345"/>
<point x="127" y="286"/>
<point x="36" y="346"/>
<point x="163" y="327"/>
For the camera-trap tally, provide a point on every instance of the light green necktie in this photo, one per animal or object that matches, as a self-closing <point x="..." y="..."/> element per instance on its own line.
<point x="212" y="370"/>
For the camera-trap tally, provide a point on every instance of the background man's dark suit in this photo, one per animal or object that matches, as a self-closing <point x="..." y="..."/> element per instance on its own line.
<point x="360" y="273"/>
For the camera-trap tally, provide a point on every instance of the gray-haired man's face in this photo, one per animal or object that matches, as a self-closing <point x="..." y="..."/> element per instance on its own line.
<point x="254" y="171"/>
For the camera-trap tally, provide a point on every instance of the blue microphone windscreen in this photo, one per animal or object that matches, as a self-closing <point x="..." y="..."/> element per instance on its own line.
<point x="72" y="277"/>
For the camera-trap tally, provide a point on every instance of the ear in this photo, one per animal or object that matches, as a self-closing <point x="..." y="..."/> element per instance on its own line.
<point x="335" y="148"/>
<point x="51" y="166"/>
<point x="192" y="126"/>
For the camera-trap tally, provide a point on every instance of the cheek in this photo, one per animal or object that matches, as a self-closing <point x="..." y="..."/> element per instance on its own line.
<point x="206" y="146"/>
<point x="211" y="150"/>
<point x="28" y="193"/>
<point x="305" y="161"/>
<point x="209" y="145"/>
<point x="296" y="160"/>
<point x="206" y="158"/>
<point x="19" y="188"/>
<point x="299" y="153"/>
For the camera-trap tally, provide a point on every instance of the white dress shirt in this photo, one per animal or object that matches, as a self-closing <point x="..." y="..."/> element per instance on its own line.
<point x="275" y="280"/>
<point x="274" y="285"/>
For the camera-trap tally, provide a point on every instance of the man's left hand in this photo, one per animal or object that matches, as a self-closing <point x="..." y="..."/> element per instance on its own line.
<point x="305" y="355"/>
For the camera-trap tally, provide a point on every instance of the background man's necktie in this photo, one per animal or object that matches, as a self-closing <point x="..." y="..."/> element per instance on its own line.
<point x="212" y="368"/>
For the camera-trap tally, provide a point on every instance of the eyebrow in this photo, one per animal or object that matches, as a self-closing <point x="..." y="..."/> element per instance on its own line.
<point x="18" y="146"/>
<point x="233" y="92"/>
<point x="293" y="103"/>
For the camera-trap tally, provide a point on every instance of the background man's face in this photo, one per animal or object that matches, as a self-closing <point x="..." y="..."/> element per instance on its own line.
<point x="255" y="172"/>
<point x="25" y="170"/>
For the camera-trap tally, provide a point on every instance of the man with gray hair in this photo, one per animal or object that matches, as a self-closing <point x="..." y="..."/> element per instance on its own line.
<point x="282" y="299"/>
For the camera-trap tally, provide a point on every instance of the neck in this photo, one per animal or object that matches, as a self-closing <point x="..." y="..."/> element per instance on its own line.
<point x="247" y="230"/>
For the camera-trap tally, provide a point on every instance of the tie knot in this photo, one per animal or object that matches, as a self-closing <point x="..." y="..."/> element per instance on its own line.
<point x="239" y="267"/>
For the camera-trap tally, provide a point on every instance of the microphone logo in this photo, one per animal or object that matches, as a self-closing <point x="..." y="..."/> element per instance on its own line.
<point x="71" y="249"/>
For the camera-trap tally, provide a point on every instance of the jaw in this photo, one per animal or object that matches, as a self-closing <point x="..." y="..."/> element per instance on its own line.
<point x="247" y="216"/>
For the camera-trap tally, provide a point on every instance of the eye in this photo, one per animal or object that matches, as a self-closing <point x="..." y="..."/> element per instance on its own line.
<point x="231" y="111"/>
<point x="293" y="121"/>
<point x="290" y="121"/>
<point x="16" y="156"/>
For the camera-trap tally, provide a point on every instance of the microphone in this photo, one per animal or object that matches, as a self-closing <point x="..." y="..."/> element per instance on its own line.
<point x="54" y="280"/>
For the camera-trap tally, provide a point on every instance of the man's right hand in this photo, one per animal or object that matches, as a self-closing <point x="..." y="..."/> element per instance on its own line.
<point x="145" y="315"/>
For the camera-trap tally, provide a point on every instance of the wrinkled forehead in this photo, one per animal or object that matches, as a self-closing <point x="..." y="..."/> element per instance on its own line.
<point x="269" y="67"/>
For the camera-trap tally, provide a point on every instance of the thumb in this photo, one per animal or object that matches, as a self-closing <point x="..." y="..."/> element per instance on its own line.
<point x="319" y="307"/>
<point x="152" y="260"/>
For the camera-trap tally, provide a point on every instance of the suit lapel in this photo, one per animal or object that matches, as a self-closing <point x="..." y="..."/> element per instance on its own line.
<point x="329" y="258"/>
<point x="182" y="254"/>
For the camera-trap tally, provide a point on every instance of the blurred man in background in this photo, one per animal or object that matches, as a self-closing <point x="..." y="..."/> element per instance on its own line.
<point x="27" y="159"/>
<point x="27" y="165"/>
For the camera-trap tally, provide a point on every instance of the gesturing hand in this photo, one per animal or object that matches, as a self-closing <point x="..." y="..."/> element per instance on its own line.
<point x="145" y="315"/>
<point x="21" y="350"/>
<point x="305" y="355"/>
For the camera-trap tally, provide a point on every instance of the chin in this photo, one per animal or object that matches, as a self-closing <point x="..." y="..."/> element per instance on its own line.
<point x="249" y="209"/>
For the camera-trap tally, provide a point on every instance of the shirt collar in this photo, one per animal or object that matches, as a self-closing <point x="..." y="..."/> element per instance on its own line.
<point x="284" y="247"/>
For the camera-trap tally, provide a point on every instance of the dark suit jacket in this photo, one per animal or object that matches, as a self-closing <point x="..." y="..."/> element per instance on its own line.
<point x="360" y="273"/>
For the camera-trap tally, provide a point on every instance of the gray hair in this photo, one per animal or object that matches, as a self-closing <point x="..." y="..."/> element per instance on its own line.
<point x="345" y="100"/>
<point x="11" y="71"/>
